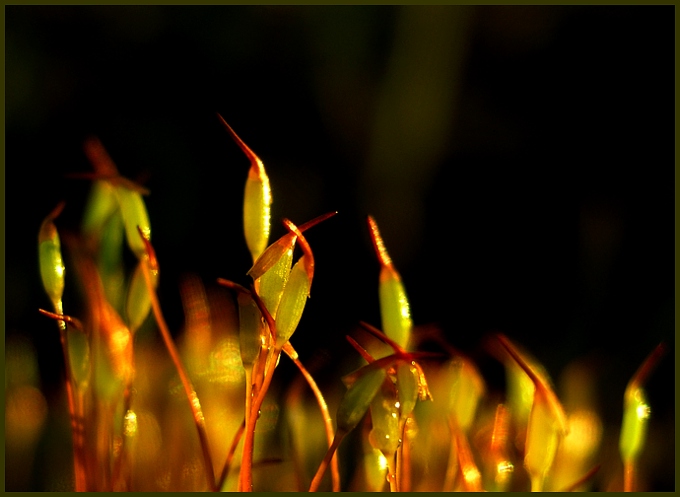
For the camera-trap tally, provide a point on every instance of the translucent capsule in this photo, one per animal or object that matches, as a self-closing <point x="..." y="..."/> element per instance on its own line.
<point x="274" y="280"/>
<point x="385" y="432"/>
<point x="51" y="263"/>
<point x="636" y="410"/>
<point x="358" y="398"/>
<point x="134" y="215"/>
<point x="138" y="303"/>
<point x="407" y="388"/>
<point x="293" y="302"/>
<point x="395" y="310"/>
<point x="257" y="199"/>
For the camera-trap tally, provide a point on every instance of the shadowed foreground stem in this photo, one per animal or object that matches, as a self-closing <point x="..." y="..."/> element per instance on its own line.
<point x="189" y="390"/>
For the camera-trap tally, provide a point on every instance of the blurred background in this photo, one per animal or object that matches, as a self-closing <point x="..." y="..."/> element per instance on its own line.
<point x="518" y="160"/>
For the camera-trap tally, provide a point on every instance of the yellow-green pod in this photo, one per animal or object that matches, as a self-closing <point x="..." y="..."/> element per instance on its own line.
<point x="138" y="304"/>
<point x="257" y="210"/>
<point x="51" y="263"/>
<point x="466" y="389"/>
<point x="134" y="214"/>
<point x="110" y="260"/>
<point x="274" y="280"/>
<point x="250" y="329"/>
<point x="358" y="398"/>
<point x="543" y="436"/>
<point x="395" y="312"/>
<point x="407" y="388"/>
<point x="385" y="433"/>
<point x="636" y="414"/>
<point x="293" y="301"/>
<point x="101" y="204"/>
<point x="636" y="410"/>
<point x="257" y="199"/>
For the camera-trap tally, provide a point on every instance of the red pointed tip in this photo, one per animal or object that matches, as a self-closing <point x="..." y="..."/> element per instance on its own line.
<point x="256" y="165"/>
<point x="647" y="366"/>
<point x="383" y="338"/>
<point x="306" y="249"/>
<point x="362" y="351"/>
<point x="150" y="252"/>
<point x="316" y="220"/>
<point x="233" y="285"/>
<point x="99" y="157"/>
<point x="56" y="211"/>
<point x="378" y="243"/>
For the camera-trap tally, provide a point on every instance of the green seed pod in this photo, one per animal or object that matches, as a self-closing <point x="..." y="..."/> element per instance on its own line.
<point x="543" y="437"/>
<point x="138" y="303"/>
<point x="293" y="301"/>
<point x="636" y="410"/>
<point x="636" y="414"/>
<point x="274" y="280"/>
<point x="110" y="260"/>
<point x="385" y="434"/>
<point x="407" y="388"/>
<point x="395" y="311"/>
<point x="257" y="199"/>
<point x="49" y="256"/>
<point x="358" y="398"/>
<point x="257" y="210"/>
<point x="134" y="214"/>
<point x="101" y="204"/>
<point x="466" y="388"/>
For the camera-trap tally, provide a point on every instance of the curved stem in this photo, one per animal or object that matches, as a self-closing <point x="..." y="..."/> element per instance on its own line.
<point x="323" y="406"/>
<point x="316" y="481"/>
<point x="194" y="403"/>
<point x="75" y="413"/>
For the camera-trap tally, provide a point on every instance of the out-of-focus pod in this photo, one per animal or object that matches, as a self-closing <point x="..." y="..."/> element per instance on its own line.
<point x="358" y="398"/>
<point x="51" y="263"/>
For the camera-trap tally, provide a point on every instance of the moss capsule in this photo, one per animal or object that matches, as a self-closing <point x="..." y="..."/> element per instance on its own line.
<point x="358" y="398"/>
<point x="51" y="263"/>
<point x="257" y="200"/>
<point x="395" y="311"/>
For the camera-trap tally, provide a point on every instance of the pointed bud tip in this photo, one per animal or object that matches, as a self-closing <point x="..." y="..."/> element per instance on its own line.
<point x="378" y="243"/>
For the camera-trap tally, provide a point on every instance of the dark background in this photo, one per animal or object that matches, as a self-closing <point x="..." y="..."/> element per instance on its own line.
<point x="519" y="161"/>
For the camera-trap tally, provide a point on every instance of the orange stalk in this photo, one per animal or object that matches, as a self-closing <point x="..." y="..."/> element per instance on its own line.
<point x="323" y="406"/>
<point x="189" y="390"/>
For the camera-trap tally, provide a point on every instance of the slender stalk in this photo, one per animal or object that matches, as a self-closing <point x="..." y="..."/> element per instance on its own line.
<point x="404" y="459"/>
<point x="246" y="474"/>
<point x="629" y="476"/>
<point x="392" y="472"/>
<point x="316" y="481"/>
<point x="323" y="406"/>
<point x="77" y="428"/>
<point x="194" y="403"/>
<point x="230" y="456"/>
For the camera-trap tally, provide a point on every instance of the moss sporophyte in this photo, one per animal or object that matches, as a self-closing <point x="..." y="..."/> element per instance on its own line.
<point x="419" y="419"/>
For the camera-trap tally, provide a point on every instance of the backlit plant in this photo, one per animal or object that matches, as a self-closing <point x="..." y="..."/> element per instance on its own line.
<point x="203" y="414"/>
